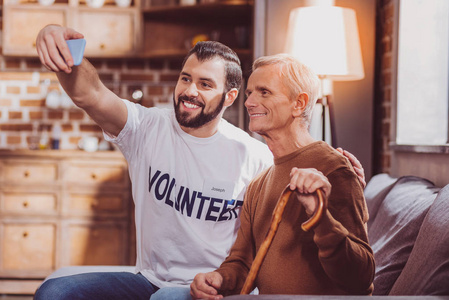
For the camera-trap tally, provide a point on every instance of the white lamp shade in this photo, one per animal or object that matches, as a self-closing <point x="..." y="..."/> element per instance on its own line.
<point x="326" y="38"/>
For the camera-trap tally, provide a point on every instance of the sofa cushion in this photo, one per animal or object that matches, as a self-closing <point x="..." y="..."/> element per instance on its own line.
<point x="427" y="270"/>
<point x="394" y="226"/>
<point x="376" y="190"/>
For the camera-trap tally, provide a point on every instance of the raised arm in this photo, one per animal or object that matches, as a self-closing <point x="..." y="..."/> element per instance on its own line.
<point x="82" y="82"/>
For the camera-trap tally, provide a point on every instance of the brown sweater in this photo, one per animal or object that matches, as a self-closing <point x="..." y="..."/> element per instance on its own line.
<point x="334" y="258"/>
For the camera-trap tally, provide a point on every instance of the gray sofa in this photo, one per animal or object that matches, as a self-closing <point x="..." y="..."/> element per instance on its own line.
<point x="408" y="232"/>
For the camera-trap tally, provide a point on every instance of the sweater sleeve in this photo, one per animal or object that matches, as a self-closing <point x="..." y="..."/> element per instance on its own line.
<point x="235" y="268"/>
<point x="341" y="236"/>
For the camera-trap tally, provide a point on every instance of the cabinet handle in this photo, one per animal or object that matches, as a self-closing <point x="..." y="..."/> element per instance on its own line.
<point x="25" y="234"/>
<point x="102" y="46"/>
<point x="25" y="204"/>
<point x="93" y="175"/>
<point x="26" y="173"/>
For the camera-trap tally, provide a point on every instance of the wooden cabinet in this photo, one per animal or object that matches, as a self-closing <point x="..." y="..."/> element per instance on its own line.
<point x="21" y="24"/>
<point x="110" y="31"/>
<point x="144" y="30"/>
<point x="116" y="31"/>
<point x="61" y="208"/>
<point x="169" y="30"/>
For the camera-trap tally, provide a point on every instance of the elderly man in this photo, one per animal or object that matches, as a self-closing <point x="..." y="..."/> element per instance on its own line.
<point x="333" y="258"/>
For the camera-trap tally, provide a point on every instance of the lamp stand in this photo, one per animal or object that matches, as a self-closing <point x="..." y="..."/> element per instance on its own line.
<point x="330" y="105"/>
<point x="327" y="117"/>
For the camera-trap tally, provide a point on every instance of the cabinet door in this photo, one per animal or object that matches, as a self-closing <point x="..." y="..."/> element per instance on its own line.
<point x="97" y="244"/>
<point x="22" y="23"/>
<point x="110" y="33"/>
<point x="27" y="247"/>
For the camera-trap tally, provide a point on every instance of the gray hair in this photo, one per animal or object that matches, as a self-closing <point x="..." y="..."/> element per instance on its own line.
<point x="297" y="77"/>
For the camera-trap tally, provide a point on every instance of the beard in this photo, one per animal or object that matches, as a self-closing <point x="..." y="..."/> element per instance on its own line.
<point x="184" y="119"/>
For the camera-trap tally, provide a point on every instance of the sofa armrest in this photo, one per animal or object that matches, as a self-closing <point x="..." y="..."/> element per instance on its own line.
<point x="427" y="269"/>
<point x="396" y="213"/>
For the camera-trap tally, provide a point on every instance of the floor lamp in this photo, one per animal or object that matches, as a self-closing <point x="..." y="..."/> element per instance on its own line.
<point x="327" y="118"/>
<point x="326" y="38"/>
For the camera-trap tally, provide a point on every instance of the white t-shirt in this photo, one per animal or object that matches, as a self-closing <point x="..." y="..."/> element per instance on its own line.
<point x="187" y="191"/>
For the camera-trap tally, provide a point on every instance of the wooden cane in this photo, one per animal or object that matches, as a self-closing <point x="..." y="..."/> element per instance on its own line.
<point x="275" y="220"/>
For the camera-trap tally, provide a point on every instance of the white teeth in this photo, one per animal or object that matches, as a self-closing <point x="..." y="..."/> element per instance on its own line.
<point x="190" y="105"/>
<point x="257" y="115"/>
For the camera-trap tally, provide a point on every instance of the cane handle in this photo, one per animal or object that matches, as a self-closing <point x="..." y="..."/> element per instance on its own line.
<point x="276" y="219"/>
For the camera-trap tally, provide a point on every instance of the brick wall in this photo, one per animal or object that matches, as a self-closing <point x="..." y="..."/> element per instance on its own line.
<point x="25" y="84"/>
<point x="382" y="98"/>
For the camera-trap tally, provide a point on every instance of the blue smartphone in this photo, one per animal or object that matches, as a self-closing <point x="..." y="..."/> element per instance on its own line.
<point x="76" y="48"/>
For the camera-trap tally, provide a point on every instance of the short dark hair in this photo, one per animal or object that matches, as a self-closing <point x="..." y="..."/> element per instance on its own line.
<point x="211" y="49"/>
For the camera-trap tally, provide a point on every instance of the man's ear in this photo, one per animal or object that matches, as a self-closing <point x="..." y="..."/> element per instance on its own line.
<point x="231" y="95"/>
<point x="300" y="104"/>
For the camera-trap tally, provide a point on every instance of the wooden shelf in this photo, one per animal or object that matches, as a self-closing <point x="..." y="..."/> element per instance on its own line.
<point x="192" y="12"/>
<point x="180" y="54"/>
<point x="169" y="30"/>
<point x="109" y="21"/>
<point x="71" y="3"/>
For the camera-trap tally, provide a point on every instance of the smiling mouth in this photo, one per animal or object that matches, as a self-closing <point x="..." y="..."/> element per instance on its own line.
<point x="190" y="105"/>
<point x="256" y="115"/>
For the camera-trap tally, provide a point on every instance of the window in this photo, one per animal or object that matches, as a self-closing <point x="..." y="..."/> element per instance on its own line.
<point x="423" y="73"/>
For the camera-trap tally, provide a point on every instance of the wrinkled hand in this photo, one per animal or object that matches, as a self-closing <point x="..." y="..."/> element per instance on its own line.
<point x="205" y="286"/>
<point x="356" y="165"/>
<point x="306" y="182"/>
<point x="52" y="48"/>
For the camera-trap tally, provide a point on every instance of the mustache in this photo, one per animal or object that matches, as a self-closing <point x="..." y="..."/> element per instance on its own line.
<point x="192" y="100"/>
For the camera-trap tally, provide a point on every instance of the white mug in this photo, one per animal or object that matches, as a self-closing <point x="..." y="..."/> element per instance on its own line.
<point x="187" y="2"/>
<point x="123" y="3"/>
<point x="53" y="99"/>
<point x="45" y="2"/>
<point x="89" y="144"/>
<point x="95" y="3"/>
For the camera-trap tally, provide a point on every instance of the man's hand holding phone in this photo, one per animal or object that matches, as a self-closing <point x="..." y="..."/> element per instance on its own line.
<point x="53" y="48"/>
<point x="76" y="48"/>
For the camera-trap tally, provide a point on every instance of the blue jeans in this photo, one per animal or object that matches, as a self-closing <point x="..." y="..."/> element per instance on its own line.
<point x="97" y="285"/>
<point x="172" y="293"/>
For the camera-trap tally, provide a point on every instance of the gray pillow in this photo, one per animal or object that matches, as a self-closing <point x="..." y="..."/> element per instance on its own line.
<point x="427" y="270"/>
<point x="376" y="190"/>
<point x="393" y="230"/>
